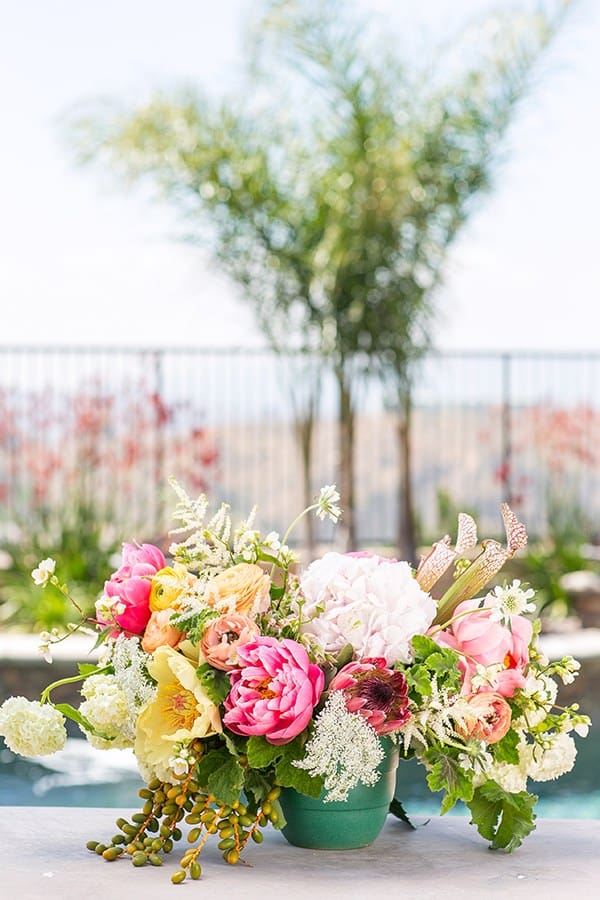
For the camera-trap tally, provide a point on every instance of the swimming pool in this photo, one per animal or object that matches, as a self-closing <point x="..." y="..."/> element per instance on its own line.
<point x="82" y="776"/>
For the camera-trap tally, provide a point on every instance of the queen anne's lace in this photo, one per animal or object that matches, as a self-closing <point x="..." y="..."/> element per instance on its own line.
<point x="343" y="750"/>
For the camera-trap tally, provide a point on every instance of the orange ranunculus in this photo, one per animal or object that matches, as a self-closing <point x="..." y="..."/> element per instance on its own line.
<point x="490" y="720"/>
<point x="159" y="631"/>
<point x="243" y="588"/>
<point x="222" y="638"/>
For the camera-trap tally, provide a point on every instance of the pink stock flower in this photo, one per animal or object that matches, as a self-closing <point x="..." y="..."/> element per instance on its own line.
<point x="490" y="720"/>
<point x="376" y="693"/>
<point x="223" y="638"/>
<point x="129" y="587"/>
<point x="482" y="641"/>
<point x="274" y="691"/>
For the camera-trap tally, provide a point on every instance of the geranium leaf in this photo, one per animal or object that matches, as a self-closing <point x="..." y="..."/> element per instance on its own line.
<point x="216" y="683"/>
<point x="262" y="754"/>
<point x="225" y="783"/>
<point x="396" y="809"/>
<point x="502" y="818"/>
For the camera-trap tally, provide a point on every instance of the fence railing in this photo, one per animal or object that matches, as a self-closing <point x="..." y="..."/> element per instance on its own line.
<point x="108" y="426"/>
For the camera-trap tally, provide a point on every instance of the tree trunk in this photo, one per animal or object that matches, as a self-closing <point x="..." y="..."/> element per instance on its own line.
<point x="406" y="519"/>
<point x="346" y="531"/>
<point x="304" y="428"/>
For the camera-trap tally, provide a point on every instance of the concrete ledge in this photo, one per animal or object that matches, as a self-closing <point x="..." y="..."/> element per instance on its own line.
<point x="44" y="856"/>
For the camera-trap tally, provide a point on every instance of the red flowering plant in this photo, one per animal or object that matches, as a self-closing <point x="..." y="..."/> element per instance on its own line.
<point x="234" y="673"/>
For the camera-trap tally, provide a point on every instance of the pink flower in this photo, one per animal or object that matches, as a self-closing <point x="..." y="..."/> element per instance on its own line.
<point x="129" y="587"/>
<point x="376" y="693"/>
<point x="482" y="641"/>
<point x="490" y="720"/>
<point x="223" y="638"/>
<point x="274" y="691"/>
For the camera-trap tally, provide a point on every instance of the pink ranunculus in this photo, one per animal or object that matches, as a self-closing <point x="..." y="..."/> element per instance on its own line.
<point x="224" y="637"/>
<point x="490" y="719"/>
<point x="131" y="584"/>
<point x="274" y="691"/>
<point x="378" y="694"/>
<point x="480" y="640"/>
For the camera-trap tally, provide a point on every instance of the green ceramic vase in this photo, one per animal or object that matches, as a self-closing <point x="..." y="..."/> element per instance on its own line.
<point x="342" y="826"/>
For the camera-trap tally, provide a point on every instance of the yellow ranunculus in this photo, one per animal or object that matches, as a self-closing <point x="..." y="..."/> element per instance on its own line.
<point x="181" y="711"/>
<point x="243" y="588"/>
<point x="167" y="585"/>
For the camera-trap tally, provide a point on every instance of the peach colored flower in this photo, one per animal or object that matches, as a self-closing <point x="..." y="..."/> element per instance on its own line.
<point x="159" y="631"/>
<point x="490" y="720"/>
<point x="224" y="636"/>
<point x="243" y="588"/>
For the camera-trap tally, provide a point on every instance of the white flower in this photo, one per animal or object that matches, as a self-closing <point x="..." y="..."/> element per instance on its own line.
<point x="343" y="750"/>
<point x="555" y="758"/>
<point x="107" y="710"/>
<point x="272" y="540"/>
<point x="509" y="601"/>
<point x="44" y="645"/>
<point x="31" y="728"/>
<point x="109" y="607"/>
<point x="44" y="571"/>
<point x="327" y="503"/>
<point x="374" y="604"/>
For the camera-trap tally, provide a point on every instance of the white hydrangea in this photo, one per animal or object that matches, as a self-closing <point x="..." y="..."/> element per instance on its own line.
<point x="553" y="759"/>
<point x="372" y="603"/>
<point x="107" y="710"/>
<point x="343" y="750"/>
<point x="31" y="728"/>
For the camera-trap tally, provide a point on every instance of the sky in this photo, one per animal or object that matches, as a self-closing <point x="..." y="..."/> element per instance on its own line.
<point x="84" y="262"/>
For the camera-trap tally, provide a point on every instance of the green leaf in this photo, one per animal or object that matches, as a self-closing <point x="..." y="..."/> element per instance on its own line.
<point x="445" y="774"/>
<point x="87" y="669"/>
<point x="291" y="776"/>
<point x="71" y="713"/>
<point x="419" y="679"/>
<point x="424" y="647"/>
<point x="502" y="818"/>
<point x="225" y="782"/>
<point x="216" y="683"/>
<point x="256" y="785"/>
<point x="209" y="763"/>
<point x="262" y="754"/>
<point x="102" y="637"/>
<point x="505" y="750"/>
<point x="396" y="809"/>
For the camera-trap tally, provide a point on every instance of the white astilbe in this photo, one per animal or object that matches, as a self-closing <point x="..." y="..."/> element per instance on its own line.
<point x="436" y="716"/>
<point x="343" y="750"/>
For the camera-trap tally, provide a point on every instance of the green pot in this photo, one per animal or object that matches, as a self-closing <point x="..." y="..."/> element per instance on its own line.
<point x="342" y="826"/>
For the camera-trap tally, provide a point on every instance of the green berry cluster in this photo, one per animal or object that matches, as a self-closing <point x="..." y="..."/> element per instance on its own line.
<point x="167" y="806"/>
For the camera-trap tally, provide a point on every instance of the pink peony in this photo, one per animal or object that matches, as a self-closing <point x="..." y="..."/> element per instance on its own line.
<point x="130" y="585"/>
<point x="274" y="691"/>
<point x="485" y="642"/>
<point x="376" y="693"/>
<point x="223" y="638"/>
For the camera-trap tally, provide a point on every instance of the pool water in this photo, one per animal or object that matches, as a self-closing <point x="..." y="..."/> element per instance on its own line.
<point x="82" y="776"/>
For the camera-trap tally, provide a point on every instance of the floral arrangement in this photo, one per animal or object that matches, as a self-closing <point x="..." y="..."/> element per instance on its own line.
<point x="233" y="673"/>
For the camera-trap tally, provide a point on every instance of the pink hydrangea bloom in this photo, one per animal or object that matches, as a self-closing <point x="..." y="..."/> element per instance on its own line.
<point x="485" y="642"/>
<point x="378" y="694"/>
<point x="375" y="604"/>
<point x="274" y="691"/>
<point x="130" y="585"/>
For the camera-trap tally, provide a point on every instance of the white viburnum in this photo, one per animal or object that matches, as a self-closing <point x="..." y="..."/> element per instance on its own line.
<point x="31" y="728"/>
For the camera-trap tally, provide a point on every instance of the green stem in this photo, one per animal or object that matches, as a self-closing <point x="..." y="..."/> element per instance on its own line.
<point x="45" y="695"/>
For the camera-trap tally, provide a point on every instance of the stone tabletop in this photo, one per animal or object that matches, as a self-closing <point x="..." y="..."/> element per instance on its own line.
<point x="43" y="856"/>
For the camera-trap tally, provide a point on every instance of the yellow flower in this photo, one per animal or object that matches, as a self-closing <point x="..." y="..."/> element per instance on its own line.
<point x="243" y="589"/>
<point x="180" y="712"/>
<point x="167" y="585"/>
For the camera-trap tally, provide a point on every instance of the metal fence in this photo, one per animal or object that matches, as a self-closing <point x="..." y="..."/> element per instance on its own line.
<point x="110" y="425"/>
